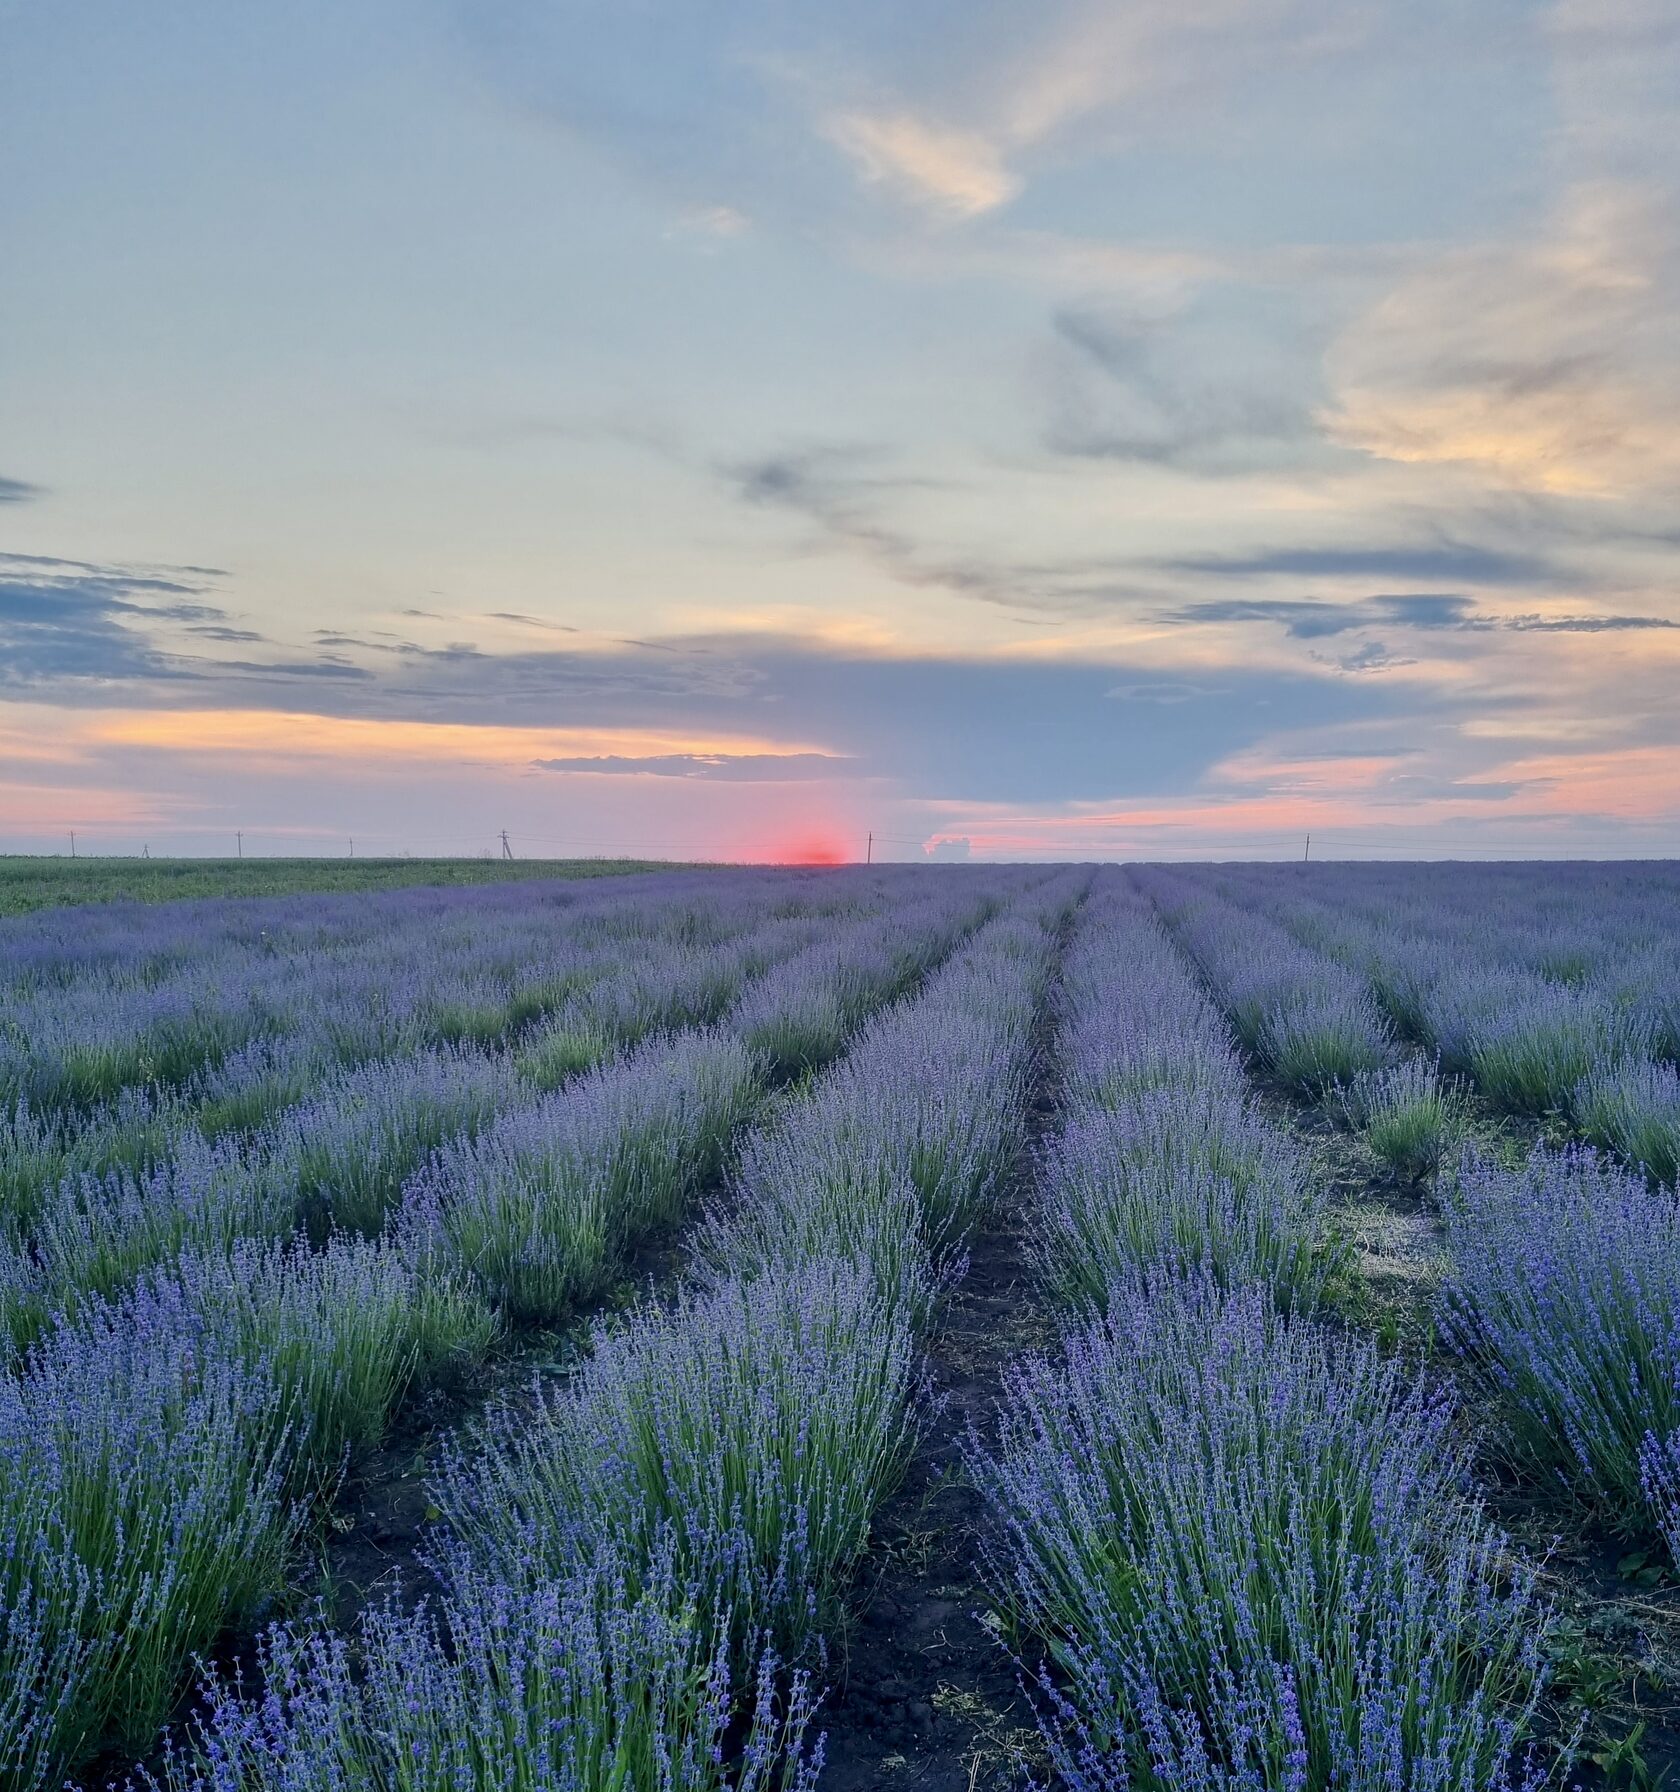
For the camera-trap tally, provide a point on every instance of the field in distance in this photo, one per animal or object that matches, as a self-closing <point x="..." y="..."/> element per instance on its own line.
<point x="32" y="883"/>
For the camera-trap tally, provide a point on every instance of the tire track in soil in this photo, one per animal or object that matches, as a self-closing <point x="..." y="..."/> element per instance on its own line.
<point x="925" y="1697"/>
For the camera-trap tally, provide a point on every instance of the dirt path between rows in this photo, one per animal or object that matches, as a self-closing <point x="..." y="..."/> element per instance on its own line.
<point x="924" y="1695"/>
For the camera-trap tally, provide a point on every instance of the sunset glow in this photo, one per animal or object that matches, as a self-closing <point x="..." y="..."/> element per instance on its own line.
<point x="1066" y="429"/>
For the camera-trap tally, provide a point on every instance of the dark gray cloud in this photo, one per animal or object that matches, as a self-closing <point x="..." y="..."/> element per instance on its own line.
<point x="845" y="492"/>
<point x="62" y="619"/>
<point x="17" y="491"/>
<point x="1309" y="619"/>
<point x="965" y="729"/>
<point x="70" y="629"/>
<point x="1457" y="561"/>
<point x="285" y="671"/>
<point x="1570" y="625"/>
<point x="559" y="628"/>
<point x="1372" y="656"/>
<point x="744" y="768"/>
<point x="1129" y="389"/>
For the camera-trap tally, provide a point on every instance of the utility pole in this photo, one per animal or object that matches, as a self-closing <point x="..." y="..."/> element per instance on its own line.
<point x="72" y="843"/>
<point x="870" y="859"/>
<point x="1306" y="851"/>
<point x="146" y="850"/>
<point x="240" y="837"/>
<point x="352" y="846"/>
<point x="507" y="851"/>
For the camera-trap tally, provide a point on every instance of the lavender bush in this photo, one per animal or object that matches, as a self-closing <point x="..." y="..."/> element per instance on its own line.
<point x="1633" y="1109"/>
<point x="1563" y="1299"/>
<point x="1186" y="1178"/>
<point x="1412" y="1117"/>
<point x="1249" y="1546"/>
<point x="537" y="1208"/>
<point x="351" y="1147"/>
<point x="141" y="1513"/>
<point x="601" y="1681"/>
<point x="752" y="1430"/>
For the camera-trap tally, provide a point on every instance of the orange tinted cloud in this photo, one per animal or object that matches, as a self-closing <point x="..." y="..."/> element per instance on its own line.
<point x="277" y="735"/>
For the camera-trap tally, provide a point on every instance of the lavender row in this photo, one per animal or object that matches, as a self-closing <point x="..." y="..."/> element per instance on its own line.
<point x="1161" y="1158"/>
<point x="1608" y="927"/>
<point x="594" y="1000"/>
<point x="468" y="970"/>
<point x="1530" y="1043"/>
<point x="1245" y="1543"/>
<point x="341" y="1159"/>
<point x="1579" y="1018"/>
<point x="702" y="1487"/>
<point x="310" y="1352"/>
<point x="538" y="1209"/>
<point x="1563" y="1303"/>
<point x="160" y="1458"/>
<point x="1310" y="1020"/>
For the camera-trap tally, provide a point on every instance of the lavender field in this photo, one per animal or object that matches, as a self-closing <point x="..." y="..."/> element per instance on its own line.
<point x="1201" y="1327"/>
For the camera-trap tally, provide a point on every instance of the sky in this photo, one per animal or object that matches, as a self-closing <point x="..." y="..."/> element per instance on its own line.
<point x="1138" y="429"/>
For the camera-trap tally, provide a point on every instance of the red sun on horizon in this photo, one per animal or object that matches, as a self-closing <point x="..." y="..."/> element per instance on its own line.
<point x="810" y="849"/>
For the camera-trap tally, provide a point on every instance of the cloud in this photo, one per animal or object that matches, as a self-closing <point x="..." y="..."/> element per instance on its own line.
<point x="1373" y="656"/>
<point x="1546" y="364"/>
<point x="518" y="616"/>
<point x="846" y="491"/>
<point x="959" y="173"/>
<point x="74" y="629"/>
<point x="952" y="851"/>
<point x="16" y="491"/>
<point x="715" y="221"/>
<point x="746" y="768"/>
<point x="65" y="619"/>
<point x="1459" y="561"/>
<point x="1306" y="619"/>
<point x="1162" y="691"/>
<point x="1176" y="393"/>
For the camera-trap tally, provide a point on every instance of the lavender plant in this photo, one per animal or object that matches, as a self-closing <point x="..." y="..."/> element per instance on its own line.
<point x="1412" y="1117"/>
<point x="142" y="1512"/>
<point x="1324" y="1036"/>
<point x="1249" y="1547"/>
<point x="562" y="1048"/>
<point x="1183" y="1178"/>
<point x="95" y="1237"/>
<point x="342" y="1333"/>
<point x="351" y="1147"/>
<point x="752" y="1430"/>
<point x="601" y="1681"/>
<point x="1633" y="1109"/>
<point x="537" y="1208"/>
<point x="1563" y="1300"/>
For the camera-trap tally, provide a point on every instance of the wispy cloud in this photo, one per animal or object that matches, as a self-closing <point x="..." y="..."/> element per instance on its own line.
<point x="957" y="172"/>
<point x="70" y="620"/>
<point x="16" y="491"/>
<point x="1308" y="620"/>
<point x="1159" y="392"/>
<point x="740" y="768"/>
<point x="1456" y="560"/>
<point x="1549" y="364"/>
